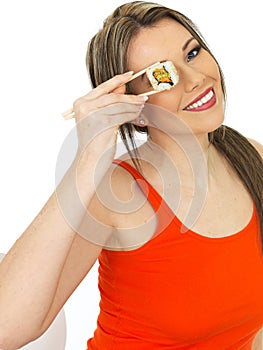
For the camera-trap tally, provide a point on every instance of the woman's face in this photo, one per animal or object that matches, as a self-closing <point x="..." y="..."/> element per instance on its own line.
<point x="197" y="99"/>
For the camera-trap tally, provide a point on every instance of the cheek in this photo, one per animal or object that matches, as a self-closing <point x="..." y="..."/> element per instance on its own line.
<point x="212" y="69"/>
<point x="168" y="100"/>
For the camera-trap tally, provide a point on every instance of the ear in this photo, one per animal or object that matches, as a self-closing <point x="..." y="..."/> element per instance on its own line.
<point x="141" y="121"/>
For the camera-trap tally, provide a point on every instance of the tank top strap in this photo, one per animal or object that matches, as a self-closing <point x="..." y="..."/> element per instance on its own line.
<point x="158" y="203"/>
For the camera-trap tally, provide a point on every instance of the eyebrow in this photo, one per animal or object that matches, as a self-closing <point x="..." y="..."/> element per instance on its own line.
<point x="187" y="43"/>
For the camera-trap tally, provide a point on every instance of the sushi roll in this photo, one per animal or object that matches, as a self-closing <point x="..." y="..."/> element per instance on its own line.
<point x="162" y="76"/>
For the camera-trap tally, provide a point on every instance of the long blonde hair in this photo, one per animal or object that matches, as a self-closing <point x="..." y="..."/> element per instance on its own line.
<point x="106" y="57"/>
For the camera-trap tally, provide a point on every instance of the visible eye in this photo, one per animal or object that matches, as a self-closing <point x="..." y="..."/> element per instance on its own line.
<point x="193" y="53"/>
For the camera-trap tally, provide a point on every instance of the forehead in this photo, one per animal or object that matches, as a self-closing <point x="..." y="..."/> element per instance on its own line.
<point x="156" y="43"/>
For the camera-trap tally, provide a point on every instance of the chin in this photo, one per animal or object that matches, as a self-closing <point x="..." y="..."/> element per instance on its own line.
<point x="206" y="123"/>
<point x="215" y="126"/>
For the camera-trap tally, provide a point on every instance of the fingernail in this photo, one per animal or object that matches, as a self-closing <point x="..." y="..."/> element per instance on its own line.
<point x="128" y="73"/>
<point x="142" y="98"/>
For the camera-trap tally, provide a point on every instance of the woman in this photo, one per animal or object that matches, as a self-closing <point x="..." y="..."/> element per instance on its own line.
<point x="173" y="284"/>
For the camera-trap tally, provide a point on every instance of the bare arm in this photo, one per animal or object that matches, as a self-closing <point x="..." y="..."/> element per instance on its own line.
<point x="50" y="259"/>
<point x="30" y="275"/>
<point x="258" y="341"/>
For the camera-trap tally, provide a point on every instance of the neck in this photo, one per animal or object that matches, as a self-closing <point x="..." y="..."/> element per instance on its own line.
<point x="186" y="168"/>
<point x="190" y="154"/>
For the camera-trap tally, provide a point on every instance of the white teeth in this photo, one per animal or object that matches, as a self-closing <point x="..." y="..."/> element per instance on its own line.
<point x="202" y="101"/>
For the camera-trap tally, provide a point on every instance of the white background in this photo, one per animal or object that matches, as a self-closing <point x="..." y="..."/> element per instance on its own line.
<point x="42" y="70"/>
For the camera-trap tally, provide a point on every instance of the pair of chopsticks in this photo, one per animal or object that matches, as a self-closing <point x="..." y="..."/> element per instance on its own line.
<point x="136" y="75"/>
<point x="70" y="113"/>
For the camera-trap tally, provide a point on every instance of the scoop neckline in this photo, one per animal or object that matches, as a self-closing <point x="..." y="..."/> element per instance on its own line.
<point x="180" y="224"/>
<point x="193" y="233"/>
<point x="228" y="237"/>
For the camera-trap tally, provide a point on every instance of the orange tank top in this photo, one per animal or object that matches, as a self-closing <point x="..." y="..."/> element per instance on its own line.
<point x="181" y="291"/>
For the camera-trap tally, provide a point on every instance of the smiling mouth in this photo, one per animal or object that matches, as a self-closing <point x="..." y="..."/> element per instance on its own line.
<point x="202" y="102"/>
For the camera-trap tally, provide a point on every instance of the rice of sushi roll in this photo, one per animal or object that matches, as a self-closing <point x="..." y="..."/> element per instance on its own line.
<point x="163" y="76"/>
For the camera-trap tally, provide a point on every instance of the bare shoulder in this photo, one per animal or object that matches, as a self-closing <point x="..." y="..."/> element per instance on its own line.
<point x="116" y="188"/>
<point x="257" y="145"/>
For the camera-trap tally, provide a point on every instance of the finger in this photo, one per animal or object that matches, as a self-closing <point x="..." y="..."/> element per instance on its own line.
<point x="117" y="114"/>
<point x="84" y="107"/>
<point x="114" y="98"/>
<point x="113" y="111"/>
<point x="115" y="83"/>
<point x="110" y="85"/>
<point x="119" y="90"/>
<point x="121" y="108"/>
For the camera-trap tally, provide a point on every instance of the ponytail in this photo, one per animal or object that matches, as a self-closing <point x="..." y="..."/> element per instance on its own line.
<point x="246" y="161"/>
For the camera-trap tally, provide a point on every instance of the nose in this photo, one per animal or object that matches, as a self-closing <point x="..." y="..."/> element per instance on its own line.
<point x="191" y="78"/>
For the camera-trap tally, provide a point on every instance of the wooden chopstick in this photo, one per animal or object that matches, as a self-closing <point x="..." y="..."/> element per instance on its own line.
<point x="150" y="92"/>
<point x="136" y="75"/>
<point x="70" y="113"/>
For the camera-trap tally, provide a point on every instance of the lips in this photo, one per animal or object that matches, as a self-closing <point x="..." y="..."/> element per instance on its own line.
<point x="204" y="101"/>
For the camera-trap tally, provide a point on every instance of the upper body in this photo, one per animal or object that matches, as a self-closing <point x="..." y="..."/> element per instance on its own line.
<point x="191" y="161"/>
<point x="171" y="291"/>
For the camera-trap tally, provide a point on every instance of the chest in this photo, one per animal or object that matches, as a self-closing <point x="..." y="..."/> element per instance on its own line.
<point x="190" y="289"/>
<point x="211" y="211"/>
